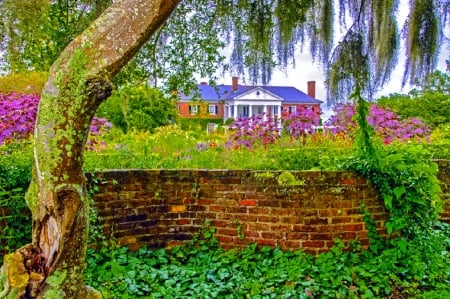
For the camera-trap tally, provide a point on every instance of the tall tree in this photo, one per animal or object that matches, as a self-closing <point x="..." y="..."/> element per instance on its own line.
<point x="79" y="80"/>
<point x="263" y="33"/>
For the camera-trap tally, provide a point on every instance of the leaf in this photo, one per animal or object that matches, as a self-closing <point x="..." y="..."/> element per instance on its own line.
<point x="389" y="227"/>
<point x="116" y="269"/>
<point x="388" y="202"/>
<point x="399" y="191"/>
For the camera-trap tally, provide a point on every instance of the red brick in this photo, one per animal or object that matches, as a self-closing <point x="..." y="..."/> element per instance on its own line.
<point x="345" y="236"/>
<point x="266" y="242"/>
<point x="247" y="218"/>
<point x="318" y="236"/>
<point x="216" y="208"/>
<point x="258" y="226"/>
<point x="353" y="227"/>
<point x="204" y="201"/>
<point x="252" y="234"/>
<point x="224" y="239"/>
<point x="272" y="235"/>
<point x="248" y="202"/>
<point x="245" y="241"/>
<point x="259" y="211"/>
<point x="313" y="244"/>
<point x="312" y="221"/>
<point x="349" y="181"/>
<point x="291" y="204"/>
<point x="219" y="223"/>
<point x="236" y="210"/>
<point x="297" y="236"/>
<point x="281" y="227"/>
<point x="304" y="228"/>
<point x="227" y="231"/>
<point x="290" y="244"/>
<point x="291" y="220"/>
<point x="183" y="221"/>
<point x="270" y="219"/>
<point x="342" y="204"/>
<point x="344" y="219"/>
<point x="269" y="203"/>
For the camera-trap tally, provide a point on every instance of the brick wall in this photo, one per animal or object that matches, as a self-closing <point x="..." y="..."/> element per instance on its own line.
<point x="160" y="208"/>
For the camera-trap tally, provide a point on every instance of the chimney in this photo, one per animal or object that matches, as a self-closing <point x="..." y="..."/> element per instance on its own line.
<point x="312" y="89"/>
<point x="234" y="83"/>
<point x="203" y="83"/>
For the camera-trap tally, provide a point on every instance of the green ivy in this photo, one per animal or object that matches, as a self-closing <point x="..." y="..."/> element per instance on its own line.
<point x="404" y="176"/>
<point x="15" y="175"/>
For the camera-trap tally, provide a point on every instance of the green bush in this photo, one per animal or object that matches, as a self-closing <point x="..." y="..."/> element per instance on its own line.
<point x="15" y="174"/>
<point x="139" y="108"/>
<point x="198" y="124"/>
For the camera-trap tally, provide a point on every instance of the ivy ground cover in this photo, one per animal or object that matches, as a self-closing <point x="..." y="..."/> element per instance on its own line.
<point x="202" y="270"/>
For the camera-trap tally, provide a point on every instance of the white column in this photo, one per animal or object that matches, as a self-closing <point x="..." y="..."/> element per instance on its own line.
<point x="265" y="112"/>
<point x="279" y="115"/>
<point x="250" y="110"/>
<point x="235" y="108"/>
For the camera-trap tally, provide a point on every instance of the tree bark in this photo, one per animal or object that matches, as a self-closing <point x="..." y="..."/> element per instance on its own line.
<point x="52" y="266"/>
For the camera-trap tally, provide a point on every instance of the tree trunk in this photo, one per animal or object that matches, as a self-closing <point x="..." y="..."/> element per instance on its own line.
<point x="52" y="266"/>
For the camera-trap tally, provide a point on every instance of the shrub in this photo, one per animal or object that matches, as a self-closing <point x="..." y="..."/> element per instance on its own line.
<point x="26" y="83"/>
<point x="139" y="108"/>
<point x="15" y="175"/>
<point x="386" y="123"/>
<point x="249" y="131"/>
<point x="300" y="123"/>
<point x="18" y="115"/>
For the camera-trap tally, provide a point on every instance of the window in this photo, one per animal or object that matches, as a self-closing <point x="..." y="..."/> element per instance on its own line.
<point x="246" y="111"/>
<point x="292" y="109"/>
<point x="212" y="109"/>
<point x="193" y="109"/>
<point x="275" y="110"/>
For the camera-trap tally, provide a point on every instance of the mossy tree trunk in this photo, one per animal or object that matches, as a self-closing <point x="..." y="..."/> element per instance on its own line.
<point x="52" y="266"/>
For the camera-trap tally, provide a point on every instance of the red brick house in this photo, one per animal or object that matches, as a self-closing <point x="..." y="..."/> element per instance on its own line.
<point x="235" y="100"/>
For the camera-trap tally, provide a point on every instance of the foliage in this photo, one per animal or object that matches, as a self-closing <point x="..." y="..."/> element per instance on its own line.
<point x="176" y="54"/>
<point x="37" y="31"/>
<point x="386" y="123"/>
<point x="139" y="108"/>
<point x="249" y="131"/>
<point x="405" y="177"/>
<point x="201" y="269"/>
<point x="198" y="124"/>
<point x="18" y="116"/>
<point x="430" y="104"/>
<point x="15" y="175"/>
<point x="25" y="83"/>
<point x="262" y="130"/>
<point x="261" y="35"/>
<point x="300" y="123"/>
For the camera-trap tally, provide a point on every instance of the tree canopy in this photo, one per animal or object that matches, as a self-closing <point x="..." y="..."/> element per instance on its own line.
<point x="261" y="34"/>
<point x="184" y="37"/>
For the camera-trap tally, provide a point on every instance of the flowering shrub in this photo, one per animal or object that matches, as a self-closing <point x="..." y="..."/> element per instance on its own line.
<point x="250" y="130"/>
<point x="99" y="126"/>
<point x="386" y="123"/>
<point x="300" y="123"/>
<point x="18" y="115"/>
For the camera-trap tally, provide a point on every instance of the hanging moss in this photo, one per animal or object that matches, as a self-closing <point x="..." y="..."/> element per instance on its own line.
<point x="423" y="40"/>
